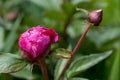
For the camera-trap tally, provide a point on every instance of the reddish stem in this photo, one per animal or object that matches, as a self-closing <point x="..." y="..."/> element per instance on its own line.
<point x="74" y="51"/>
<point x="81" y="39"/>
<point x="42" y="65"/>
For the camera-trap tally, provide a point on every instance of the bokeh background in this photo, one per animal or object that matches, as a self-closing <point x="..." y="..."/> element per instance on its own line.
<point x="16" y="16"/>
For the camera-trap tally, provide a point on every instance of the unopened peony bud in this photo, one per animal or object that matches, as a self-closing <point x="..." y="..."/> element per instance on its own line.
<point x="95" y="17"/>
<point x="35" y="41"/>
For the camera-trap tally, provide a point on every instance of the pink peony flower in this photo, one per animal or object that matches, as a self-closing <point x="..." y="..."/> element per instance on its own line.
<point x="35" y="41"/>
<point x="95" y="17"/>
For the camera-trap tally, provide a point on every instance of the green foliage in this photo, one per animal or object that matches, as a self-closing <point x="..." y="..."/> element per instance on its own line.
<point x="58" y="14"/>
<point x="9" y="63"/>
<point x="24" y="73"/>
<point x="11" y="38"/>
<point x="47" y="4"/>
<point x="79" y="65"/>
<point x="76" y="78"/>
<point x="1" y="39"/>
<point x="55" y="15"/>
<point x="116" y="67"/>
<point x="62" y="53"/>
<point x="85" y="62"/>
<point x="59" y="67"/>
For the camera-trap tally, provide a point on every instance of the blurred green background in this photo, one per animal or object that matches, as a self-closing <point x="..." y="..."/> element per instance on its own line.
<point x="18" y="15"/>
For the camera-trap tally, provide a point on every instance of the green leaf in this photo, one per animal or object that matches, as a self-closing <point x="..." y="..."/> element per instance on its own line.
<point x="12" y="37"/>
<point x="77" y="78"/>
<point x="11" y="63"/>
<point x="1" y="38"/>
<point x="85" y="62"/>
<point x="105" y="36"/>
<point x="62" y="53"/>
<point x="59" y="67"/>
<point x="115" y="71"/>
<point x="24" y="73"/>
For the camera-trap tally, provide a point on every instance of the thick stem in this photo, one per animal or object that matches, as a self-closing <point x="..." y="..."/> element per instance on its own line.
<point x="74" y="51"/>
<point x="42" y="65"/>
<point x="81" y="39"/>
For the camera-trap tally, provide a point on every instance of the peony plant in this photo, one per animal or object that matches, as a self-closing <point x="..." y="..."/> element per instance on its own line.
<point x="35" y="44"/>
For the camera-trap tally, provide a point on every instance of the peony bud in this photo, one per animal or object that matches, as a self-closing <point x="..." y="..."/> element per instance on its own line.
<point x="35" y="41"/>
<point x="95" y="17"/>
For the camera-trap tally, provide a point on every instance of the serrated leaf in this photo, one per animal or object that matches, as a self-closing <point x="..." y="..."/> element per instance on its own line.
<point x="86" y="62"/>
<point x="62" y="53"/>
<point x="11" y="63"/>
<point x="24" y="73"/>
<point x="59" y="67"/>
